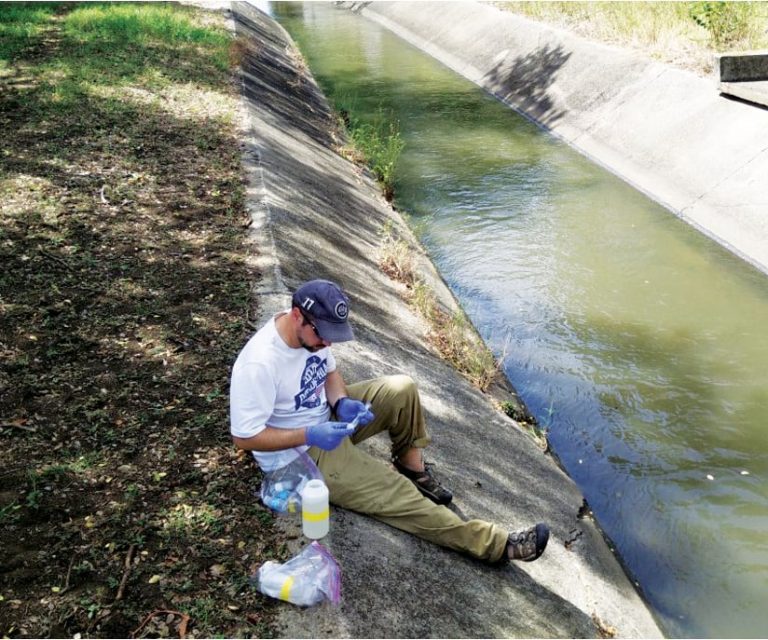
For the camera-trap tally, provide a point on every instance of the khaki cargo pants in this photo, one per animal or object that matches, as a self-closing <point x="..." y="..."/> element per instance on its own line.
<point x="362" y="483"/>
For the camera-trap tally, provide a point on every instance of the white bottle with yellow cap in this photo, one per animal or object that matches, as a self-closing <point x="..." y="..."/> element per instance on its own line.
<point x="314" y="509"/>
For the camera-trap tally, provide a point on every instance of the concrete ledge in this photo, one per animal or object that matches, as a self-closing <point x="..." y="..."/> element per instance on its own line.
<point x="744" y="76"/>
<point x="743" y="67"/>
<point x="665" y="131"/>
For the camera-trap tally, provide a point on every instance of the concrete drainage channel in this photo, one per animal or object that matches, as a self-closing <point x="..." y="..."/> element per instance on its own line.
<point x="323" y="216"/>
<point x="665" y="131"/>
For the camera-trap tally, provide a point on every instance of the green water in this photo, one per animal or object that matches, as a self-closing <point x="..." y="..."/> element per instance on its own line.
<point x="640" y="344"/>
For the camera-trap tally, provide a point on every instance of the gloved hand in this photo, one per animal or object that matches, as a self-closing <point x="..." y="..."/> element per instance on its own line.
<point x="328" y="435"/>
<point x="347" y="409"/>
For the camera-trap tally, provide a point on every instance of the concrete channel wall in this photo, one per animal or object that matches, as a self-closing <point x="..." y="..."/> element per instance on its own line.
<point x="315" y="214"/>
<point x="667" y="132"/>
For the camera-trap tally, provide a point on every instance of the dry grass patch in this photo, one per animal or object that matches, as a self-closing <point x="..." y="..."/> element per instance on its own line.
<point x="451" y="334"/>
<point x="684" y="34"/>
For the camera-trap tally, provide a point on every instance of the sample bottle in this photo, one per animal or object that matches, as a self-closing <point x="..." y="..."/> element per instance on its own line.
<point x="314" y="509"/>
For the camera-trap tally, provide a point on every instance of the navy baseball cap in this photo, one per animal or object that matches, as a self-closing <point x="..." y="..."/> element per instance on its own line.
<point x="328" y="307"/>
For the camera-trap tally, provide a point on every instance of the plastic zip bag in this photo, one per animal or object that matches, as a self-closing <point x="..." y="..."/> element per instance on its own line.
<point x="305" y="580"/>
<point x="281" y="488"/>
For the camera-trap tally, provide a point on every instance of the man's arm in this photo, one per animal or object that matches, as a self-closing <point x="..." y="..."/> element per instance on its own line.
<point x="272" y="439"/>
<point x="349" y="410"/>
<point x="334" y="387"/>
<point x="326" y="436"/>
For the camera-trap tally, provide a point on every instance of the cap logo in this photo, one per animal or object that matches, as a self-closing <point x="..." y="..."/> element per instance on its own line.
<point x="307" y="304"/>
<point x="341" y="310"/>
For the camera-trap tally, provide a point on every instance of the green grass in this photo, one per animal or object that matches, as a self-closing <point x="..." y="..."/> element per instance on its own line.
<point x="158" y="29"/>
<point x="105" y="46"/>
<point x="93" y="28"/>
<point x="21" y="24"/>
<point x="138" y="23"/>
<point x="8" y="510"/>
<point x="377" y="144"/>
<point x="381" y="145"/>
<point x="76" y="464"/>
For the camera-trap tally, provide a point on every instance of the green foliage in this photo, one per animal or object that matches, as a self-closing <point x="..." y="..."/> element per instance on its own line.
<point x="111" y="45"/>
<point x="728" y="22"/>
<point x="140" y="39"/>
<point x="203" y="611"/>
<point x="513" y="410"/>
<point x="380" y="144"/>
<point x="21" y="23"/>
<point x="98" y="26"/>
<point x="34" y="494"/>
<point x="138" y="23"/>
<point x="465" y="350"/>
<point x="8" y="510"/>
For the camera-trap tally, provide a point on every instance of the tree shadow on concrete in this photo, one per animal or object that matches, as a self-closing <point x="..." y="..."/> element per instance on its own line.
<point x="281" y="81"/>
<point x="525" y="82"/>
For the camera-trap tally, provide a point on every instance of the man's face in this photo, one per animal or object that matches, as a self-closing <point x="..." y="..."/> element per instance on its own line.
<point x="308" y="336"/>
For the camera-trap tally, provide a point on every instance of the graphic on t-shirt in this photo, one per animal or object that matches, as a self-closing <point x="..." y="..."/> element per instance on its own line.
<point x="312" y="381"/>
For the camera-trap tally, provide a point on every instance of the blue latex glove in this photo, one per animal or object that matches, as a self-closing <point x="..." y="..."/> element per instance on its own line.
<point x="347" y="409"/>
<point x="328" y="435"/>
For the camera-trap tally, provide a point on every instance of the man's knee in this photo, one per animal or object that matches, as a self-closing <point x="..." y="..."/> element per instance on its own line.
<point x="402" y="386"/>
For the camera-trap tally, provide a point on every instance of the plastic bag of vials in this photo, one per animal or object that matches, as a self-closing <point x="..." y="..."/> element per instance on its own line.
<point x="308" y="579"/>
<point x="281" y="489"/>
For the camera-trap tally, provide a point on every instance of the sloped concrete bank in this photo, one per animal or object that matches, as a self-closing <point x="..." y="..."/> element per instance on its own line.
<point x="665" y="131"/>
<point x="315" y="214"/>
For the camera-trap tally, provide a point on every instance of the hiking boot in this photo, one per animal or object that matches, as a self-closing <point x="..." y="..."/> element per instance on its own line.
<point x="529" y="544"/>
<point x="426" y="482"/>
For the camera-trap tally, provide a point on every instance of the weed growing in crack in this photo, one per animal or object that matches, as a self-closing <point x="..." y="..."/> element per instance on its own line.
<point x="451" y="334"/>
<point x="377" y="144"/>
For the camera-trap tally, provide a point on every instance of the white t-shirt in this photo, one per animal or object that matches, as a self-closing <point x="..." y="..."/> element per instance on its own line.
<point x="278" y="386"/>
